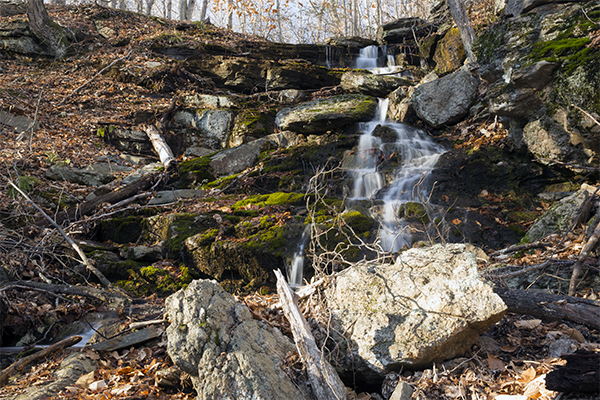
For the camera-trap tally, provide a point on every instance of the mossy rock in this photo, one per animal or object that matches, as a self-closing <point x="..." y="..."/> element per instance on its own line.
<point x="121" y="230"/>
<point x="174" y="229"/>
<point x="414" y="210"/>
<point x="112" y="266"/>
<point x="359" y="222"/>
<point x="275" y="199"/>
<point x="195" y="172"/>
<point x="250" y="125"/>
<point x="154" y="279"/>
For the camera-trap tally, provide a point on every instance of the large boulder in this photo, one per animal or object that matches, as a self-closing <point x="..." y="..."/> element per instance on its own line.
<point x="227" y="353"/>
<point x="210" y="128"/>
<point x="447" y="100"/>
<point x="429" y="306"/>
<point x="93" y="175"/>
<point x="549" y="142"/>
<point x="449" y="52"/>
<point x="321" y="115"/>
<point x="371" y="85"/>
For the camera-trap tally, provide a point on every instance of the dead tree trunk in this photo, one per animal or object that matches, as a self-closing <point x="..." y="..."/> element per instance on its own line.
<point x="324" y="380"/>
<point x="467" y="33"/>
<point x="48" y="31"/>
<point x="552" y="307"/>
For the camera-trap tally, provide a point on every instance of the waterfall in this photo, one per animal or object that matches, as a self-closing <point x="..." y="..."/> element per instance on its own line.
<point x="369" y="59"/>
<point x="295" y="270"/>
<point x="419" y="154"/>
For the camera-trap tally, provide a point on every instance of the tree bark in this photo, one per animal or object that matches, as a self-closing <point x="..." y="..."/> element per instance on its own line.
<point x="467" y="33"/>
<point x="48" y="31"/>
<point x="552" y="307"/>
<point x="581" y="374"/>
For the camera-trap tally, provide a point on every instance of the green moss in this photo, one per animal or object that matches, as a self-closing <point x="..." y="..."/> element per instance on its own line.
<point x="517" y="229"/>
<point x="413" y="210"/>
<point x="522" y="216"/>
<point x="275" y="199"/>
<point x="195" y="172"/>
<point x="25" y="183"/>
<point x="152" y="279"/>
<point x="359" y="222"/>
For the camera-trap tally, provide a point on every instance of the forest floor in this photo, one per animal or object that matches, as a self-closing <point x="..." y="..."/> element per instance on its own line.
<point x="69" y="100"/>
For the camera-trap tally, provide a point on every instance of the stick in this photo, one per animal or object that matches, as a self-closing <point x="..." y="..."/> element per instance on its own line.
<point x="19" y="365"/>
<point x="519" y="247"/>
<point x="84" y="258"/>
<point x="160" y="146"/>
<point x="585" y="252"/>
<point x="87" y="291"/>
<point x="94" y="77"/>
<point x="325" y="382"/>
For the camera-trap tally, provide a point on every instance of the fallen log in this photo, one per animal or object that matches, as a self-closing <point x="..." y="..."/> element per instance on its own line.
<point x="19" y="365"/>
<point x="551" y="307"/>
<point x="160" y="145"/>
<point x="580" y="374"/>
<point x="324" y="380"/>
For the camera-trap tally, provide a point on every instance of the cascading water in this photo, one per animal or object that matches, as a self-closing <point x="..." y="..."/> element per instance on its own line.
<point x="418" y="156"/>
<point x="295" y="270"/>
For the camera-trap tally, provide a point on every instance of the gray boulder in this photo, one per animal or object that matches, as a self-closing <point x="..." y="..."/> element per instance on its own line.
<point x="429" y="306"/>
<point x="211" y="127"/>
<point x="535" y="76"/>
<point x="562" y="214"/>
<point x="516" y="103"/>
<point x="447" y="100"/>
<point x="371" y="85"/>
<point x="321" y="115"/>
<point x="548" y="141"/>
<point x="94" y="175"/>
<point x="227" y="353"/>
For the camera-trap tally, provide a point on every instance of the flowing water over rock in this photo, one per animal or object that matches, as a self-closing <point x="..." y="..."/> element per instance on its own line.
<point x="295" y="270"/>
<point x="419" y="154"/>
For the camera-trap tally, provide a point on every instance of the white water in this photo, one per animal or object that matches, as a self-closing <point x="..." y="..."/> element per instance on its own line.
<point x="295" y="270"/>
<point x="368" y="59"/>
<point x="419" y="154"/>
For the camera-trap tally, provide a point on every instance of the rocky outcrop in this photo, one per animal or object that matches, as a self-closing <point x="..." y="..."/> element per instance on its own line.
<point x="531" y="92"/>
<point x="430" y="305"/>
<point x="447" y="100"/>
<point x="227" y="353"/>
<point x="321" y="115"/>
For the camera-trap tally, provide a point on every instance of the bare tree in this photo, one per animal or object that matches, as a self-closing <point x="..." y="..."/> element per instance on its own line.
<point x="186" y="9"/>
<point x="48" y="31"/>
<point x="467" y="33"/>
<point x="203" y="9"/>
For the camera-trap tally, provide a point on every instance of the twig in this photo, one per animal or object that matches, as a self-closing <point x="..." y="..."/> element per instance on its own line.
<point x="94" y="77"/>
<point x="568" y="164"/>
<point x="17" y="286"/>
<point x="519" y="247"/>
<point x="585" y="252"/>
<point x="142" y="324"/>
<point x="593" y="22"/>
<point x="84" y="258"/>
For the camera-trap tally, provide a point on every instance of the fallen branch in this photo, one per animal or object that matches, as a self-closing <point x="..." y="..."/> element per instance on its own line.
<point x="519" y="247"/>
<point x="74" y="245"/>
<point x="585" y="252"/>
<point x="19" y="365"/>
<point x="92" y="78"/>
<point x="551" y="307"/>
<point x="324" y="380"/>
<point x="160" y="145"/>
<point x="117" y="299"/>
<point x="125" y="192"/>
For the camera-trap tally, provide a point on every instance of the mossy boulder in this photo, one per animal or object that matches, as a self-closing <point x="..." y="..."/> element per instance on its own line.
<point x="449" y="52"/>
<point x="331" y="113"/>
<point x="250" y="260"/>
<point x="195" y="172"/>
<point x="358" y="221"/>
<point x="174" y="229"/>
<point x="371" y="85"/>
<point x="159" y="279"/>
<point x="250" y="125"/>
<point x="112" y="266"/>
<point x="274" y="199"/>
<point x="414" y="210"/>
<point x="121" y="230"/>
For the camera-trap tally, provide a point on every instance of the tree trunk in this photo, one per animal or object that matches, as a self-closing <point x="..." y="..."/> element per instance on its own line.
<point x="552" y="307"/>
<point x="49" y="32"/>
<point x="203" y="8"/>
<point x="467" y="34"/>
